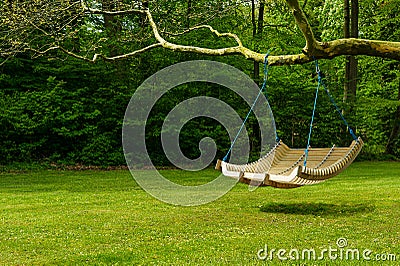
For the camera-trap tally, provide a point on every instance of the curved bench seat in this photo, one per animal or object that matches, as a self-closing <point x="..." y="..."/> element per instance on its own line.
<point x="283" y="167"/>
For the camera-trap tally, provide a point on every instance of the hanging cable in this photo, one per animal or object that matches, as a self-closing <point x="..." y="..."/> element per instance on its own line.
<point x="313" y="113"/>
<point x="262" y="89"/>
<point x="339" y="112"/>
<point x="321" y="83"/>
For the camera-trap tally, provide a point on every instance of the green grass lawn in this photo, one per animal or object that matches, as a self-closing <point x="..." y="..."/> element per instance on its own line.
<point x="104" y="218"/>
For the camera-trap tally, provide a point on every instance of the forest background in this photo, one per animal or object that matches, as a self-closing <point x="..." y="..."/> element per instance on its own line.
<point x="59" y="109"/>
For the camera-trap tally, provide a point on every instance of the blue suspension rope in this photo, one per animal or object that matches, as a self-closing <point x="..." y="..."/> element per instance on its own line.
<point x="262" y="89"/>
<point x="313" y="113"/>
<point x="321" y="83"/>
<point x="340" y="113"/>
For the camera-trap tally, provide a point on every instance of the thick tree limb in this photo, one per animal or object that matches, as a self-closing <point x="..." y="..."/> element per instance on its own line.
<point x="217" y="33"/>
<point x="302" y="23"/>
<point x="313" y="49"/>
<point x="353" y="46"/>
<point x="236" y="50"/>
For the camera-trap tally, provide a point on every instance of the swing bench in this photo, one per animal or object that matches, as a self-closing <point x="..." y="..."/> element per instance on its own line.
<point x="284" y="167"/>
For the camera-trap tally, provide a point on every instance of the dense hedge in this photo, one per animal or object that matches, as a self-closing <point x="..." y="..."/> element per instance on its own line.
<point x="72" y="113"/>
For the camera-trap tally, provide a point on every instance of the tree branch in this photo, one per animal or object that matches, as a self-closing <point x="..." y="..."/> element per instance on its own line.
<point x="313" y="49"/>
<point x="353" y="46"/>
<point x="302" y="23"/>
<point x="217" y="33"/>
<point x="105" y="58"/>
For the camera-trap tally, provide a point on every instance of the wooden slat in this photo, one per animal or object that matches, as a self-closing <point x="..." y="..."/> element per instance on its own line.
<point x="282" y="163"/>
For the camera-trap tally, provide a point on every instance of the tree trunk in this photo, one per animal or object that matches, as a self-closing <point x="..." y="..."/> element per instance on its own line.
<point x="394" y="135"/>
<point x="256" y="65"/>
<point x="346" y="26"/>
<point x="113" y="29"/>
<point x="112" y="26"/>
<point x="188" y="12"/>
<point x="257" y="31"/>
<point x="143" y="17"/>
<point x="353" y="59"/>
<point x="75" y="42"/>
<point x="350" y="31"/>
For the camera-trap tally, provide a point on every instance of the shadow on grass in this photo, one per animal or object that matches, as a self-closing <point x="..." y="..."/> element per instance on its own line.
<point x="317" y="209"/>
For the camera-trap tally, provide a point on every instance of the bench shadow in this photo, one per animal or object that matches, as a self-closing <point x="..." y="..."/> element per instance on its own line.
<point x="316" y="209"/>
